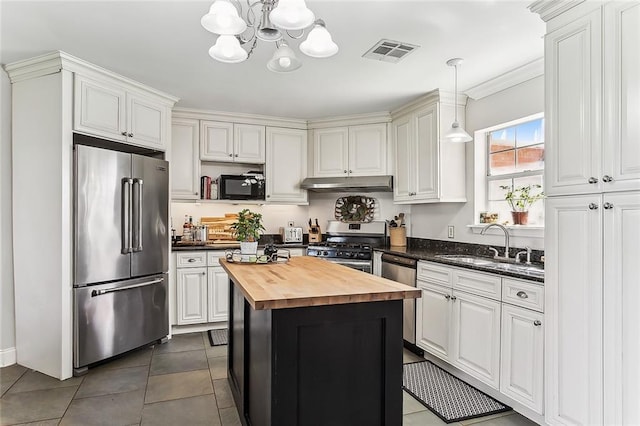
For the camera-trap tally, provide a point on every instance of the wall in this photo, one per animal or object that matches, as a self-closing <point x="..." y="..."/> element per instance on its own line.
<point x="321" y="206"/>
<point x="7" y="322"/>
<point x="431" y="220"/>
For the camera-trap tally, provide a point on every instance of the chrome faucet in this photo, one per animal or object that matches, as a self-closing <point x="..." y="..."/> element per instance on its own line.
<point x="506" y="237"/>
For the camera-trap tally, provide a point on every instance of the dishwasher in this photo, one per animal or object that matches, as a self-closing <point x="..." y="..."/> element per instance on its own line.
<point x="403" y="270"/>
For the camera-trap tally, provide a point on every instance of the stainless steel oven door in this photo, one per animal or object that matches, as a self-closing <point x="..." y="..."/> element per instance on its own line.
<point x="360" y="265"/>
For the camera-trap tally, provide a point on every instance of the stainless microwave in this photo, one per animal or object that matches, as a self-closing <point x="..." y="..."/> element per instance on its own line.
<point x="248" y="186"/>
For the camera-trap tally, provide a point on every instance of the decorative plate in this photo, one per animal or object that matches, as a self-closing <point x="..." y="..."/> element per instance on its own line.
<point x="355" y="208"/>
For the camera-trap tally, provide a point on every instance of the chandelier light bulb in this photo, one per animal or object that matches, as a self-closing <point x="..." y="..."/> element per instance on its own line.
<point x="319" y="43"/>
<point x="284" y="62"/>
<point x="292" y="15"/>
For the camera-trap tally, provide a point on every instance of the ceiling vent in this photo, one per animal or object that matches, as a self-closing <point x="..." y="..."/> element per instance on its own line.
<point x="389" y="51"/>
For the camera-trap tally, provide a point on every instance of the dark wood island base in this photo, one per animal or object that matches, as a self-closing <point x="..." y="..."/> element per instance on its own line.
<point x="322" y="364"/>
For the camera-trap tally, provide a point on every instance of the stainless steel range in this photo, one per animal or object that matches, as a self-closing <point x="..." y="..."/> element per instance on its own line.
<point x="350" y="244"/>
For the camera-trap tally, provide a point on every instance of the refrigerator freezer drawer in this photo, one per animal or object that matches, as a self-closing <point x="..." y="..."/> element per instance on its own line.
<point x="114" y="318"/>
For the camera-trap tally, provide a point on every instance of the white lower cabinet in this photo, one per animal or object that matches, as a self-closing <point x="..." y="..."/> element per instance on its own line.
<point x="476" y="336"/>
<point x="202" y="288"/>
<point x="493" y="330"/>
<point x="191" y="286"/>
<point x="522" y="356"/>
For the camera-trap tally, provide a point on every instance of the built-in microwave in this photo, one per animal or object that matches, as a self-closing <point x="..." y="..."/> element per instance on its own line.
<point x="249" y="186"/>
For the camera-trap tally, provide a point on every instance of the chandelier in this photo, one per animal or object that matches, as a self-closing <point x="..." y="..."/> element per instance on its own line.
<point x="275" y="18"/>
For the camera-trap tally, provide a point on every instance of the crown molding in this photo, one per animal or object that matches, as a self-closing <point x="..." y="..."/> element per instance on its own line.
<point x="516" y="76"/>
<point x="549" y="9"/>
<point x="238" y="117"/>
<point x="350" y="120"/>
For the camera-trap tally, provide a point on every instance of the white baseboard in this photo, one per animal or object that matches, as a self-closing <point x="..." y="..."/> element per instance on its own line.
<point x="7" y="357"/>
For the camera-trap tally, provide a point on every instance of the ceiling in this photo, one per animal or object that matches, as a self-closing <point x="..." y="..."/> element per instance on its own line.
<point x="162" y="44"/>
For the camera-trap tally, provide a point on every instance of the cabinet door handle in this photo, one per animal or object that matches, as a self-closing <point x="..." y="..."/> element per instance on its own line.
<point x="607" y="178"/>
<point x="235" y="155"/>
<point x="344" y="171"/>
<point x="191" y="260"/>
<point x="230" y="155"/>
<point x="123" y="133"/>
<point x="522" y="295"/>
<point x="593" y="206"/>
<point x="537" y="323"/>
<point x="446" y="296"/>
<point x="607" y="206"/>
<point x="453" y="298"/>
<point x="268" y="196"/>
<point x="130" y="135"/>
<point x="204" y="273"/>
<point x="350" y="171"/>
<point x="593" y="180"/>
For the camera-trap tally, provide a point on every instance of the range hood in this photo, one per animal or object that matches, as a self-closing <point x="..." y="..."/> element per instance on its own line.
<point x="349" y="184"/>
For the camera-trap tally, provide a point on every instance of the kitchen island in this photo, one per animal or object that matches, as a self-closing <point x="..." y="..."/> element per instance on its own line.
<point x="315" y="343"/>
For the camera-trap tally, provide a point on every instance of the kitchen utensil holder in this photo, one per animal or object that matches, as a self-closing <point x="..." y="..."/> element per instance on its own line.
<point x="398" y="236"/>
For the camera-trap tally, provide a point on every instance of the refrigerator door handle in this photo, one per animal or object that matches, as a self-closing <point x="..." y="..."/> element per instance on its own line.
<point x="127" y="187"/>
<point x="95" y="293"/>
<point x="138" y="219"/>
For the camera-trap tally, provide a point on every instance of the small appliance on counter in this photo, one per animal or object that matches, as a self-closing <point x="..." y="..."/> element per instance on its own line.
<point x="291" y="234"/>
<point x="315" y="234"/>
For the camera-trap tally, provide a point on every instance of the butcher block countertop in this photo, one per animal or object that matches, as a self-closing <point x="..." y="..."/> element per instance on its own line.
<point x="307" y="281"/>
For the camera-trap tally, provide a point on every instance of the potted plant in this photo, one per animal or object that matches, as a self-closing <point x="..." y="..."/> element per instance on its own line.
<point x="520" y="199"/>
<point x="247" y="230"/>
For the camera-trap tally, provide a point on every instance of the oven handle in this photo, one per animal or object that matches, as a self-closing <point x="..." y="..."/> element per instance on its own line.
<point x="95" y="293"/>
<point x="350" y="262"/>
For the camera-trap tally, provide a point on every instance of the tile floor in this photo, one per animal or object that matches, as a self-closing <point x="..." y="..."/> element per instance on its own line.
<point x="180" y="382"/>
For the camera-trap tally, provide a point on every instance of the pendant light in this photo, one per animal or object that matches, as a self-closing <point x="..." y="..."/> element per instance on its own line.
<point x="456" y="133"/>
<point x="284" y="59"/>
<point x="319" y="43"/>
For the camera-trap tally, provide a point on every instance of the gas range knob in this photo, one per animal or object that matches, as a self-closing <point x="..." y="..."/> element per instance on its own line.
<point x="325" y="253"/>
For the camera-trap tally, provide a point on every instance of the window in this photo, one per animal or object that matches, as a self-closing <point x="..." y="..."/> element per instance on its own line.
<point x="514" y="157"/>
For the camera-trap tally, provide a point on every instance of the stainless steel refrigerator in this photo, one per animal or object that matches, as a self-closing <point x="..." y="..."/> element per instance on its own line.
<point x="120" y="285"/>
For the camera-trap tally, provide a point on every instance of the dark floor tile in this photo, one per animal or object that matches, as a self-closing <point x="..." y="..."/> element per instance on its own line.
<point x="176" y="362"/>
<point x="106" y="381"/>
<point x="137" y="358"/>
<point x="166" y="387"/>
<point x="118" y="409"/>
<point x="224" y="398"/>
<point x="199" y="410"/>
<point x="216" y="351"/>
<point x="181" y="343"/>
<point x="34" y="380"/>
<point x="9" y="375"/>
<point x="218" y="367"/>
<point x="229" y="417"/>
<point x="33" y="406"/>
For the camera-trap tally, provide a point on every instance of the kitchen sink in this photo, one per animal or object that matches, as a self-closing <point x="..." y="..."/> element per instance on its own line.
<point x="496" y="265"/>
<point x="463" y="258"/>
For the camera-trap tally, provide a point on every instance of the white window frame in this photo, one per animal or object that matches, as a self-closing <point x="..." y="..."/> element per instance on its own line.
<point x="481" y="180"/>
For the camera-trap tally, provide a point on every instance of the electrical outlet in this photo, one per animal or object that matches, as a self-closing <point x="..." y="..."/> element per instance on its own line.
<point x="290" y="224"/>
<point x="450" y="231"/>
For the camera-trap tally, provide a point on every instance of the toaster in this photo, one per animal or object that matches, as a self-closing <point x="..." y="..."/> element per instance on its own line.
<point x="291" y="234"/>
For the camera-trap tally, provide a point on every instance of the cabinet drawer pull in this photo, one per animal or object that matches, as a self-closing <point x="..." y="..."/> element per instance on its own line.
<point x="593" y="206"/>
<point x="607" y="178"/>
<point x="607" y="206"/>
<point x="522" y="295"/>
<point x="537" y="323"/>
<point x="593" y="180"/>
<point x="191" y="260"/>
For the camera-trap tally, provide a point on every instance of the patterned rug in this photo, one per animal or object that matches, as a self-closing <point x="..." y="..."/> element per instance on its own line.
<point x="218" y="337"/>
<point x="448" y="397"/>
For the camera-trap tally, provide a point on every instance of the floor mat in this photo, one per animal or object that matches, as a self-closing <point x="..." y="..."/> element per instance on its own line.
<point x="218" y="337"/>
<point x="448" y="397"/>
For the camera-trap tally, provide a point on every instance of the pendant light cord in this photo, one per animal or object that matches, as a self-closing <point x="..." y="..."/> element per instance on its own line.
<point x="455" y="94"/>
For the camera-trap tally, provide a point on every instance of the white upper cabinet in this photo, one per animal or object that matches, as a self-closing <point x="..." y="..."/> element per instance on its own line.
<point x="350" y="151"/>
<point x="106" y="108"/>
<point x="592" y="100"/>
<point x="426" y="169"/>
<point x="232" y="142"/>
<point x="184" y="165"/>
<point x="286" y="165"/>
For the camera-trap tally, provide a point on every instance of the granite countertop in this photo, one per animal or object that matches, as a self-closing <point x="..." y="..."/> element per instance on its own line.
<point x="197" y="247"/>
<point x="430" y="254"/>
<point x="308" y="281"/>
